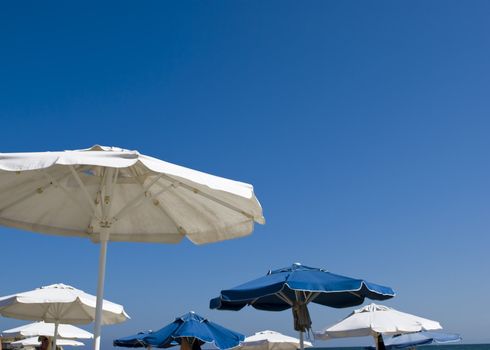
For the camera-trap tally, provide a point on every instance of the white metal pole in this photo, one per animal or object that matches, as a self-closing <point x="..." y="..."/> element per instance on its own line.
<point x="55" y="335"/>
<point x="104" y="236"/>
<point x="301" y="340"/>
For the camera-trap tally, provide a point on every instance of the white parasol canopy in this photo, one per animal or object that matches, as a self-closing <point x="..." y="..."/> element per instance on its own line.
<point x="59" y="303"/>
<point x="66" y="331"/>
<point x="376" y="319"/>
<point x="270" y="340"/>
<point x="34" y="341"/>
<point x="112" y="194"/>
<point x="140" y="198"/>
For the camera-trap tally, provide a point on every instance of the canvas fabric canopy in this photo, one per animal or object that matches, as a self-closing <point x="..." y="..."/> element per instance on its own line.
<point x="279" y="289"/>
<point x="377" y="319"/>
<point x="59" y="303"/>
<point x="143" y="199"/>
<point x="34" y="341"/>
<point x="36" y="329"/>
<point x="184" y="330"/>
<point x="296" y="286"/>
<point x="420" y="338"/>
<point x="270" y="340"/>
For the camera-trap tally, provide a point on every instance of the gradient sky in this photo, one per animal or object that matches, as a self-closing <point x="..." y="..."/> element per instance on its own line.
<point x="364" y="127"/>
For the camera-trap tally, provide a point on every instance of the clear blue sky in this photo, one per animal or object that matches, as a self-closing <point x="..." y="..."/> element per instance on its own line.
<point x="364" y="127"/>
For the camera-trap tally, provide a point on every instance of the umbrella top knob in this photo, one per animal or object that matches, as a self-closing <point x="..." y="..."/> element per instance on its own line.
<point x="373" y="307"/>
<point x="99" y="148"/>
<point x="57" y="286"/>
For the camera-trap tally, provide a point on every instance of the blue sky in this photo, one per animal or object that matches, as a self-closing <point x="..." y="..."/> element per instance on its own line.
<point x="362" y="125"/>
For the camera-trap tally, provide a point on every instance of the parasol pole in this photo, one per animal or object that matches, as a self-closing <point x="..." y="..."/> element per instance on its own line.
<point x="55" y="335"/>
<point x="100" y="288"/>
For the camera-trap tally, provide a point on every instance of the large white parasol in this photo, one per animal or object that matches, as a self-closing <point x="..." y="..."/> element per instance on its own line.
<point x="112" y="194"/>
<point x="59" y="303"/>
<point x="66" y="331"/>
<point x="270" y="340"/>
<point x="373" y="320"/>
<point x="34" y="342"/>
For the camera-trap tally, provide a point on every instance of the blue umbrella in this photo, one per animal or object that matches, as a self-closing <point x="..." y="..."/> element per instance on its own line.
<point x="189" y="329"/>
<point x="132" y="341"/>
<point x="420" y="338"/>
<point x="296" y="286"/>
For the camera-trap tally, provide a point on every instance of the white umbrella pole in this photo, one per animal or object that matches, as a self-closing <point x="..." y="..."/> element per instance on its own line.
<point x="301" y="341"/>
<point x="100" y="289"/>
<point x="55" y="335"/>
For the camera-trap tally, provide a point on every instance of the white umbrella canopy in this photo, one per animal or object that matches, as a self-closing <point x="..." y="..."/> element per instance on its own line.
<point x="139" y="198"/>
<point x="65" y="331"/>
<point x="270" y="340"/>
<point x="34" y="341"/>
<point x="59" y="303"/>
<point x="112" y="194"/>
<point x="376" y="319"/>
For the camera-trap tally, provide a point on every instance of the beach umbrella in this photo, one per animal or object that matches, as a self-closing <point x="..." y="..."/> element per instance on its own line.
<point x="375" y="320"/>
<point x="34" y="342"/>
<point x="59" y="303"/>
<point x="190" y="331"/>
<point x="65" y="331"/>
<point x="111" y="194"/>
<point x="401" y="341"/>
<point x="133" y="341"/>
<point x="270" y="340"/>
<point x="294" y="288"/>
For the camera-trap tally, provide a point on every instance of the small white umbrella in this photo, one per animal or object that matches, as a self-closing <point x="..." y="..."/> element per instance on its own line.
<point x="374" y="320"/>
<point x="65" y="331"/>
<point x="270" y="340"/>
<point x="34" y="341"/>
<point x="112" y="194"/>
<point x="59" y="303"/>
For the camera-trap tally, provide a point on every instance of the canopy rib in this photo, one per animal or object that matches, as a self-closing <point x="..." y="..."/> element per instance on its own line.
<point x="165" y="211"/>
<point x="31" y="194"/>
<point x="136" y="200"/>
<point x="90" y="200"/>
<point x="68" y="194"/>
<point x="312" y="296"/>
<point x="284" y="297"/>
<point x="210" y="197"/>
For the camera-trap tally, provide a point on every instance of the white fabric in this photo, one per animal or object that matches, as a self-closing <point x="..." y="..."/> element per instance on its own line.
<point x="35" y="342"/>
<point x="59" y="303"/>
<point x="163" y="202"/>
<point x="373" y="319"/>
<point x="36" y="329"/>
<point x="270" y="340"/>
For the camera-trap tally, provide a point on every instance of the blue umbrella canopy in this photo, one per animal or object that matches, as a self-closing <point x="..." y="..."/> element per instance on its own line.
<point x="132" y="341"/>
<point x="190" y="328"/>
<point x="296" y="286"/>
<point x="420" y="338"/>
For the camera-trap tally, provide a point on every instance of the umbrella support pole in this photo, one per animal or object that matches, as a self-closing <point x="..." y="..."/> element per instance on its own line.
<point x="104" y="237"/>
<point x="55" y="335"/>
<point x="301" y="341"/>
<point x="378" y="340"/>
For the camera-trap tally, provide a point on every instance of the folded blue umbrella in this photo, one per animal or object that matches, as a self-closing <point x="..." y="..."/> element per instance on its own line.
<point x="420" y="338"/>
<point x="191" y="327"/>
<point x="296" y="286"/>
